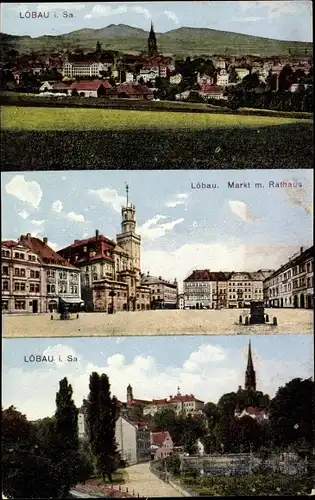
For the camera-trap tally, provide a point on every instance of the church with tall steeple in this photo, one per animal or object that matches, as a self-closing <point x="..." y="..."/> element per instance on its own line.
<point x="152" y="45"/>
<point x="250" y="374"/>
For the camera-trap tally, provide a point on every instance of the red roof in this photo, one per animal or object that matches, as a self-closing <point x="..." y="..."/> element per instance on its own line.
<point x="210" y="89"/>
<point x="9" y="243"/>
<point x="137" y="402"/>
<point x="159" y="401"/>
<point x="101" y="244"/>
<point x="183" y="399"/>
<point x="206" y="275"/>
<point x="158" y="438"/>
<point x="47" y="254"/>
<point x="90" y="84"/>
<point x="61" y="85"/>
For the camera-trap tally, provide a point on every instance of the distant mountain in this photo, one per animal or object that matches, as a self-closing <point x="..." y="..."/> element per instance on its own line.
<point x="183" y="41"/>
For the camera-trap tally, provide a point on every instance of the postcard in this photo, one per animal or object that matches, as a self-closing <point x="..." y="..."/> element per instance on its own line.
<point x="188" y="84"/>
<point x="158" y="416"/>
<point x="157" y="252"/>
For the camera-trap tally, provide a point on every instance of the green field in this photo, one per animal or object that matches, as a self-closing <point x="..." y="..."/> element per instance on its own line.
<point x="75" y="138"/>
<point x="44" y="119"/>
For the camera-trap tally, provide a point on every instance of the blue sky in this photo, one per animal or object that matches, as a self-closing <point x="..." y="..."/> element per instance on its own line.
<point x="284" y="20"/>
<point x="181" y="228"/>
<point x="155" y="366"/>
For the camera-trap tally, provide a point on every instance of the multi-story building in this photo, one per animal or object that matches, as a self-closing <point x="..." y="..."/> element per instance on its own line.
<point x="180" y="403"/>
<point x="111" y="277"/>
<point x="35" y="278"/>
<point x="181" y="301"/>
<point x="164" y="294"/>
<point x="204" y="289"/>
<point x="161" y="444"/>
<point x="292" y="285"/>
<point x="245" y="287"/>
<point x="223" y="78"/>
<point x="84" y="68"/>
<point x="62" y="279"/>
<point x="132" y="437"/>
<point x="23" y="280"/>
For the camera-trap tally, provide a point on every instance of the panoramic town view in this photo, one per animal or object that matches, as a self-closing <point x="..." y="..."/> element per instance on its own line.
<point x="157" y="252"/>
<point x="158" y="417"/>
<point x="238" y="78"/>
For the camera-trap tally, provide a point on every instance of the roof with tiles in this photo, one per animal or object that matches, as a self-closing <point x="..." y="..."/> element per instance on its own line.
<point x="130" y="88"/>
<point x="90" y="84"/>
<point x="207" y="275"/>
<point x="45" y="253"/>
<point x="158" y="438"/>
<point x="210" y="89"/>
<point x="10" y="244"/>
<point x="183" y="399"/>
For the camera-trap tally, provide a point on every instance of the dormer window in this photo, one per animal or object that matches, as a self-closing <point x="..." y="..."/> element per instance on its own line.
<point x="84" y="249"/>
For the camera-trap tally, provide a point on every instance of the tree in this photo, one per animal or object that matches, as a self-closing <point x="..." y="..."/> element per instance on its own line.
<point x="98" y="47"/>
<point x="27" y="472"/>
<point x="102" y="413"/>
<point x="66" y="444"/>
<point x="291" y="414"/>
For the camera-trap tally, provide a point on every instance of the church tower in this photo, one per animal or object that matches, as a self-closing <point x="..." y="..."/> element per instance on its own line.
<point x="250" y="375"/>
<point x="128" y="239"/>
<point x="152" y="46"/>
<point x="129" y="393"/>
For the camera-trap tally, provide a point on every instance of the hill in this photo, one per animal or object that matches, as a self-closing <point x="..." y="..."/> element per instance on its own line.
<point x="183" y="42"/>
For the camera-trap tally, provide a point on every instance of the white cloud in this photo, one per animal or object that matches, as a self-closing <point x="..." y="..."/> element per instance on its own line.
<point x="106" y="11"/>
<point x="216" y="257"/>
<point x="149" y="379"/>
<point x="153" y="229"/>
<point x="38" y="222"/>
<point x="57" y="206"/>
<point x="110" y="196"/>
<point x="177" y="201"/>
<point x="23" y="214"/>
<point x="141" y="10"/>
<point x="173" y="204"/>
<point x="171" y="15"/>
<point x="29" y="192"/>
<point x="75" y="217"/>
<point x="241" y="209"/>
<point x="299" y="196"/>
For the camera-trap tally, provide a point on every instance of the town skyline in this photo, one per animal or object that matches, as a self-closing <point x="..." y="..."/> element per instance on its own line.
<point x="285" y="20"/>
<point x="228" y="229"/>
<point x="155" y="367"/>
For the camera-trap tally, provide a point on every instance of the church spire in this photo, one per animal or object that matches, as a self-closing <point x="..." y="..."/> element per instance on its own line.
<point x="152" y="46"/>
<point x="250" y="375"/>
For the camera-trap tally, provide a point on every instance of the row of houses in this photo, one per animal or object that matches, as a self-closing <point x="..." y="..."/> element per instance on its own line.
<point x="292" y="285"/>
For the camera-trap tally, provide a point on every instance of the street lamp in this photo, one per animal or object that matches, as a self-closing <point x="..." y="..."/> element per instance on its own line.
<point x="111" y="294"/>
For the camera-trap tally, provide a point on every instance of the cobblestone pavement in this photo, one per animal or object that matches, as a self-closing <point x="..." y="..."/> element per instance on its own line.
<point x="167" y="322"/>
<point x="142" y="481"/>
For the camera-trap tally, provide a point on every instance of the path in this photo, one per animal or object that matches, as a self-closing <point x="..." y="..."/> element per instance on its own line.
<point x="143" y="481"/>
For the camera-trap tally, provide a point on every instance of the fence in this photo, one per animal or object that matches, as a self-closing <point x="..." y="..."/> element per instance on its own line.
<point x="109" y="491"/>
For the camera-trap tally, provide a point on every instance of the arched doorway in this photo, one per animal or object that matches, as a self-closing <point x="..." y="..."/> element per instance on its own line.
<point x="309" y="301"/>
<point x="296" y="301"/>
<point x="52" y="306"/>
<point x="302" y="301"/>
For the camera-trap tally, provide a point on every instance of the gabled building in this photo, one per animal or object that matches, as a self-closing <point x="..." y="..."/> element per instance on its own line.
<point x="161" y="444"/>
<point x="35" y="278"/>
<point x="204" y="289"/>
<point x="164" y="294"/>
<point x="88" y="88"/>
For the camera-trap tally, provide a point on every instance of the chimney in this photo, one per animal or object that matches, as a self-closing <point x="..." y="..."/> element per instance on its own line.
<point x="45" y="240"/>
<point x="97" y="233"/>
<point x="75" y="241"/>
<point x="160" y="277"/>
<point x="301" y="250"/>
<point x="28" y="235"/>
<point x="148" y="273"/>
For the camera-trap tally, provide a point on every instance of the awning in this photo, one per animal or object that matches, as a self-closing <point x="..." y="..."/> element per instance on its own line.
<point x="72" y="300"/>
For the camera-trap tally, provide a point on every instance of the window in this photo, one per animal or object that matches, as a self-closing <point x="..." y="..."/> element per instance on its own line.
<point x="19" y="287"/>
<point x="4" y="305"/>
<point x="20" y="304"/>
<point x="5" y="253"/>
<point x="5" y="271"/>
<point x="5" y="286"/>
<point x="94" y="276"/>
